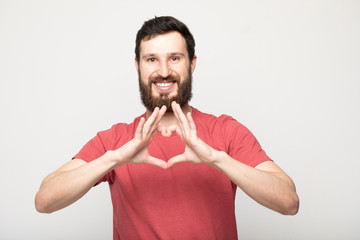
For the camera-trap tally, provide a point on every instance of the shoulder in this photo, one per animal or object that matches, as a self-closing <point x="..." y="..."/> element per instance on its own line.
<point x="119" y="132"/>
<point x="222" y="122"/>
<point x="121" y="127"/>
<point x="219" y="132"/>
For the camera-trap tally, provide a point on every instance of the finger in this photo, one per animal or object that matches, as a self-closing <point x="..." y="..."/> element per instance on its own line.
<point x="150" y="121"/>
<point x="157" y="162"/>
<point x="158" y="118"/>
<point x="160" y="114"/>
<point x="183" y="120"/>
<point x="165" y="132"/>
<point x="191" y="121"/>
<point x="180" y="116"/>
<point x="172" y="128"/>
<point x="163" y="110"/>
<point x="177" y="159"/>
<point x="140" y="127"/>
<point x="173" y="106"/>
<point x="150" y="136"/>
<point x="179" y="132"/>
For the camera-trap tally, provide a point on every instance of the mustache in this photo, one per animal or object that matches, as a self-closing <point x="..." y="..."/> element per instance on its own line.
<point x="170" y="78"/>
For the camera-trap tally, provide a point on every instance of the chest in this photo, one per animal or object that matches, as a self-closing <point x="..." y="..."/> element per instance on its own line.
<point x="145" y="181"/>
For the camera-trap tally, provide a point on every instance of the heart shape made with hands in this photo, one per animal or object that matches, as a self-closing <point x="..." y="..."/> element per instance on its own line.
<point x="196" y="150"/>
<point x="167" y="132"/>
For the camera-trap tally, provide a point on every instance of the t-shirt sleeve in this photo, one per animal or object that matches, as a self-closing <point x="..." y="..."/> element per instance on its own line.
<point x="97" y="147"/>
<point x="241" y="144"/>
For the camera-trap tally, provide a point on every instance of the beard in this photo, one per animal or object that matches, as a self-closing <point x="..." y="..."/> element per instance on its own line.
<point x="183" y="96"/>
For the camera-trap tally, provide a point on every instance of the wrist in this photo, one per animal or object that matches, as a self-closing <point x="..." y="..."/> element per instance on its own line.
<point x="216" y="158"/>
<point x="114" y="156"/>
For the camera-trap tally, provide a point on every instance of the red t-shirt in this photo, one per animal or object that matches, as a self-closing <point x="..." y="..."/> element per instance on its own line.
<point x="186" y="201"/>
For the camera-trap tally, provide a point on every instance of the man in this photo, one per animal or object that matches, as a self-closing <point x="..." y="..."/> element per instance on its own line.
<point x="173" y="172"/>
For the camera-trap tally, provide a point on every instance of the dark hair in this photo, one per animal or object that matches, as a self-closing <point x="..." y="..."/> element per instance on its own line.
<point x="161" y="25"/>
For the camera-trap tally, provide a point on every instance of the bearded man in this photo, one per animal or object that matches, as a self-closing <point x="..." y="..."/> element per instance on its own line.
<point x="173" y="172"/>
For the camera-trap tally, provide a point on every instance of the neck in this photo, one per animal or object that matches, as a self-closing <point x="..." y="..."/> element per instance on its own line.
<point x="169" y="118"/>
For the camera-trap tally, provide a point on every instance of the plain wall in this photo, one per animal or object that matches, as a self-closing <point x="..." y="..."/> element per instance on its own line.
<point x="288" y="70"/>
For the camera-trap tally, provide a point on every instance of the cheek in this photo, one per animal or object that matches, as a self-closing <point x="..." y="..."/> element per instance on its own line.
<point x="182" y="70"/>
<point x="146" y="74"/>
<point x="143" y="77"/>
<point x="145" y="70"/>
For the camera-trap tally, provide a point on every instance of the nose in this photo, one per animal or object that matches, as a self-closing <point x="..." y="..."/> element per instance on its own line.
<point x="164" y="70"/>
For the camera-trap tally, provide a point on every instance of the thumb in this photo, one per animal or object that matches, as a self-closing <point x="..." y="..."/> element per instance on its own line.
<point x="157" y="162"/>
<point x="177" y="159"/>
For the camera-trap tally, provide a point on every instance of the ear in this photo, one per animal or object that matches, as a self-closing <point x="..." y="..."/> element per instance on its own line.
<point x="136" y="65"/>
<point x="193" y="63"/>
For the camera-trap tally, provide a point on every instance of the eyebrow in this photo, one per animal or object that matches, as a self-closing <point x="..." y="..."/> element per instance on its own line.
<point x="169" y="54"/>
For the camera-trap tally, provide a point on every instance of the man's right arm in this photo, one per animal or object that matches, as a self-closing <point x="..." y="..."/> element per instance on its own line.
<point x="73" y="180"/>
<point x="69" y="183"/>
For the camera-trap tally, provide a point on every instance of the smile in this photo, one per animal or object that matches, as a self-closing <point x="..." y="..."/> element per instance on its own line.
<point x="163" y="84"/>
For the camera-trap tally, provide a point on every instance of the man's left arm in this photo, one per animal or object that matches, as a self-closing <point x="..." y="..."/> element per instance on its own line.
<point x="267" y="184"/>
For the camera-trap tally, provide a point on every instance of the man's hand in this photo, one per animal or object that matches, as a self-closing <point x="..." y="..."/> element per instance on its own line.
<point x="267" y="183"/>
<point x="136" y="150"/>
<point x="75" y="178"/>
<point x="196" y="150"/>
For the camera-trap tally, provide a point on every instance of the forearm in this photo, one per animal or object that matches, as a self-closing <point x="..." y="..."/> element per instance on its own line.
<point x="66" y="186"/>
<point x="74" y="179"/>
<point x="272" y="189"/>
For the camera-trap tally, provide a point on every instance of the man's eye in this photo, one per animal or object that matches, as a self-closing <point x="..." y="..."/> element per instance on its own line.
<point x="174" y="59"/>
<point x="151" y="59"/>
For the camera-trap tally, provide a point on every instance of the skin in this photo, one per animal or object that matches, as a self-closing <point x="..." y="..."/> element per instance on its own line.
<point x="162" y="55"/>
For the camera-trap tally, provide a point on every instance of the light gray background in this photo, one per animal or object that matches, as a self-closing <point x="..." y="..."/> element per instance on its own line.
<point x="288" y="70"/>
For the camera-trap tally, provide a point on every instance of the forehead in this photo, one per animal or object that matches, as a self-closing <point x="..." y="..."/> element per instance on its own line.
<point x="164" y="44"/>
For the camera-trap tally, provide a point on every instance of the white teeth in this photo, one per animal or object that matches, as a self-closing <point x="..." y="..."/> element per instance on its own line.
<point x="164" y="84"/>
